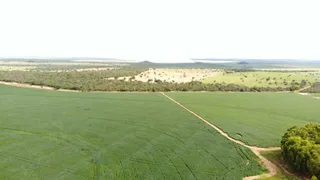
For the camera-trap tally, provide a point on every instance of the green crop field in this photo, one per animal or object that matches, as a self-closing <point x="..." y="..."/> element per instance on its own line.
<point x="255" y="118"/>
<point x="317" y="94"/>
<point x="262" y="79"/>
<point x="65" y="135"/>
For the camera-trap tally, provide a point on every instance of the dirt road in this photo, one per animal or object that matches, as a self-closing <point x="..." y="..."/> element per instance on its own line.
<point x="256" y="150"/>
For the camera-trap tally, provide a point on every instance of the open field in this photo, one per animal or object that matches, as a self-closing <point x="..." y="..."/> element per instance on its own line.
<point x="63" y="135"/>
<point x="255" y="118"/>
<point x="263" y="79"/>
<point x="296" y="69"/>
<point x="57" y="66"/>
<point x="35" y="63"/>
<point x="172" y="75"/>
<point x="17" y="68"/>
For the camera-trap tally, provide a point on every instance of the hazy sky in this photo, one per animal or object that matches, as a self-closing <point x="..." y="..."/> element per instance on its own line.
<point x="163" y="30"/>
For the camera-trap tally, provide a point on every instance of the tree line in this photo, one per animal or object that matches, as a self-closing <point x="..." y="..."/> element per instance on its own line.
<point x="301" y="149"/>
<point x="315" y="88"/>
<point x="98" y="81"/>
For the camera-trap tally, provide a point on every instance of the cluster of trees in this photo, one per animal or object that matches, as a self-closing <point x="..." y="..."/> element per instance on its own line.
<point x="315" y="88"/>
<point x="98" y="81"/>
<point x="301" y="149"/>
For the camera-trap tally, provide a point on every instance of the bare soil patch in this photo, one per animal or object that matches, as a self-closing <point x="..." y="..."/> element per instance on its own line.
<point x="95" y="69"/>
<point x="171" y="75"/>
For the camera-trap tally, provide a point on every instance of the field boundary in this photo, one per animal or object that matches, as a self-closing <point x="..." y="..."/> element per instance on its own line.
<point x="25" y="85"/>
<point x="308" y="94"/>
<point x="44" y="87"/>
<point x="256" y="150"/>
<point x="304" y="88"/>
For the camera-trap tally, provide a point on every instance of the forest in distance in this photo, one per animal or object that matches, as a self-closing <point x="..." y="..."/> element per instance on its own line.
<point x="98" y="81"/>
<point x="253" y="120"/>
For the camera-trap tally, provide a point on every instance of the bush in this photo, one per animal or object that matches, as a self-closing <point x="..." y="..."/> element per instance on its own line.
<point x="315" y="88"/>
<point x="99" y="81"/>
<point x="301" y="149"/>
<point x="294" y="88"/>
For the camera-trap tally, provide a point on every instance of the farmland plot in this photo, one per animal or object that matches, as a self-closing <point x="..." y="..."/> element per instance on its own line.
<point x="255" y="118"/>
<point x="64" y="135"/>
<point x="264" y="79"/>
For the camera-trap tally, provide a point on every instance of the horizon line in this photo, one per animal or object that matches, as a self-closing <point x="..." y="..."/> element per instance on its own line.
<point x="119" y="59"/>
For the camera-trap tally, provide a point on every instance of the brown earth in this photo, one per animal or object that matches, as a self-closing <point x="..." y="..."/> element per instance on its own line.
<point x="172" y="75"/>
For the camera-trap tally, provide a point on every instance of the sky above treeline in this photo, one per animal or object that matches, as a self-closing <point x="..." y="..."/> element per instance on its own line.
<point x="161" y="31"/>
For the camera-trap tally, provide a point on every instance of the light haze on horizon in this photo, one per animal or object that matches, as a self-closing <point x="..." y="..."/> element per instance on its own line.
<point x="161" y="31"/>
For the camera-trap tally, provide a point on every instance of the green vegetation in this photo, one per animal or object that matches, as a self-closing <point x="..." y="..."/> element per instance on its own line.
<point x="276" y="158"/>
<point x="16" y="68"/>
<point x="315" y="88"/>
<point x="53" y="66"/>
<point x="63" y="135"/>
<point x="255" y="118"/>
<point x="74" y="80"/>
<point x="264" y="79"/>
<point x="98" y="81"/>
<point x="301" y="149"/>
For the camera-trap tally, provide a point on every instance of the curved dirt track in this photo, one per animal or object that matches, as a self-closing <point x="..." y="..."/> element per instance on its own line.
<point x="308" y="94"/>
<point x="256" y="150"/>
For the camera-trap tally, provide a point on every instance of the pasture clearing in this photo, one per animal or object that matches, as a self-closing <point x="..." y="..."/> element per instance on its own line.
<point x="58" y="66"/>
<point x="296" y="69"/>
<point x="171" y="75"/>
<point x="41" y="63"/>
<point x="62" y="135"/>
<point x="17" y="68"/>
<point x="263" y="79"/>
<point x="255" y="118"/>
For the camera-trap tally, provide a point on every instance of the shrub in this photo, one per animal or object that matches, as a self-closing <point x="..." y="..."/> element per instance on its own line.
<point x="99" y="81"/>
<point x="301" y="149"/>
<point x="294" y="88"/>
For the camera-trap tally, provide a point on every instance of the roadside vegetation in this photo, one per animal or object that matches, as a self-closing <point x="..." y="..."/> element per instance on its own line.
<point x="283" y="172"/>
<point x="315" y="88"/>
<point x="301" y="149"/>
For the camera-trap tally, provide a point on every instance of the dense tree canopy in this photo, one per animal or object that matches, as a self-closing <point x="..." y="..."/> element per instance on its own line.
<point x="301" y="149"/>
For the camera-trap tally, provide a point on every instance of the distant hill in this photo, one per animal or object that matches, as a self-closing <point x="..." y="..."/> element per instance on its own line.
<point x="243" y="62"/>
<point x="145" y="62"/>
